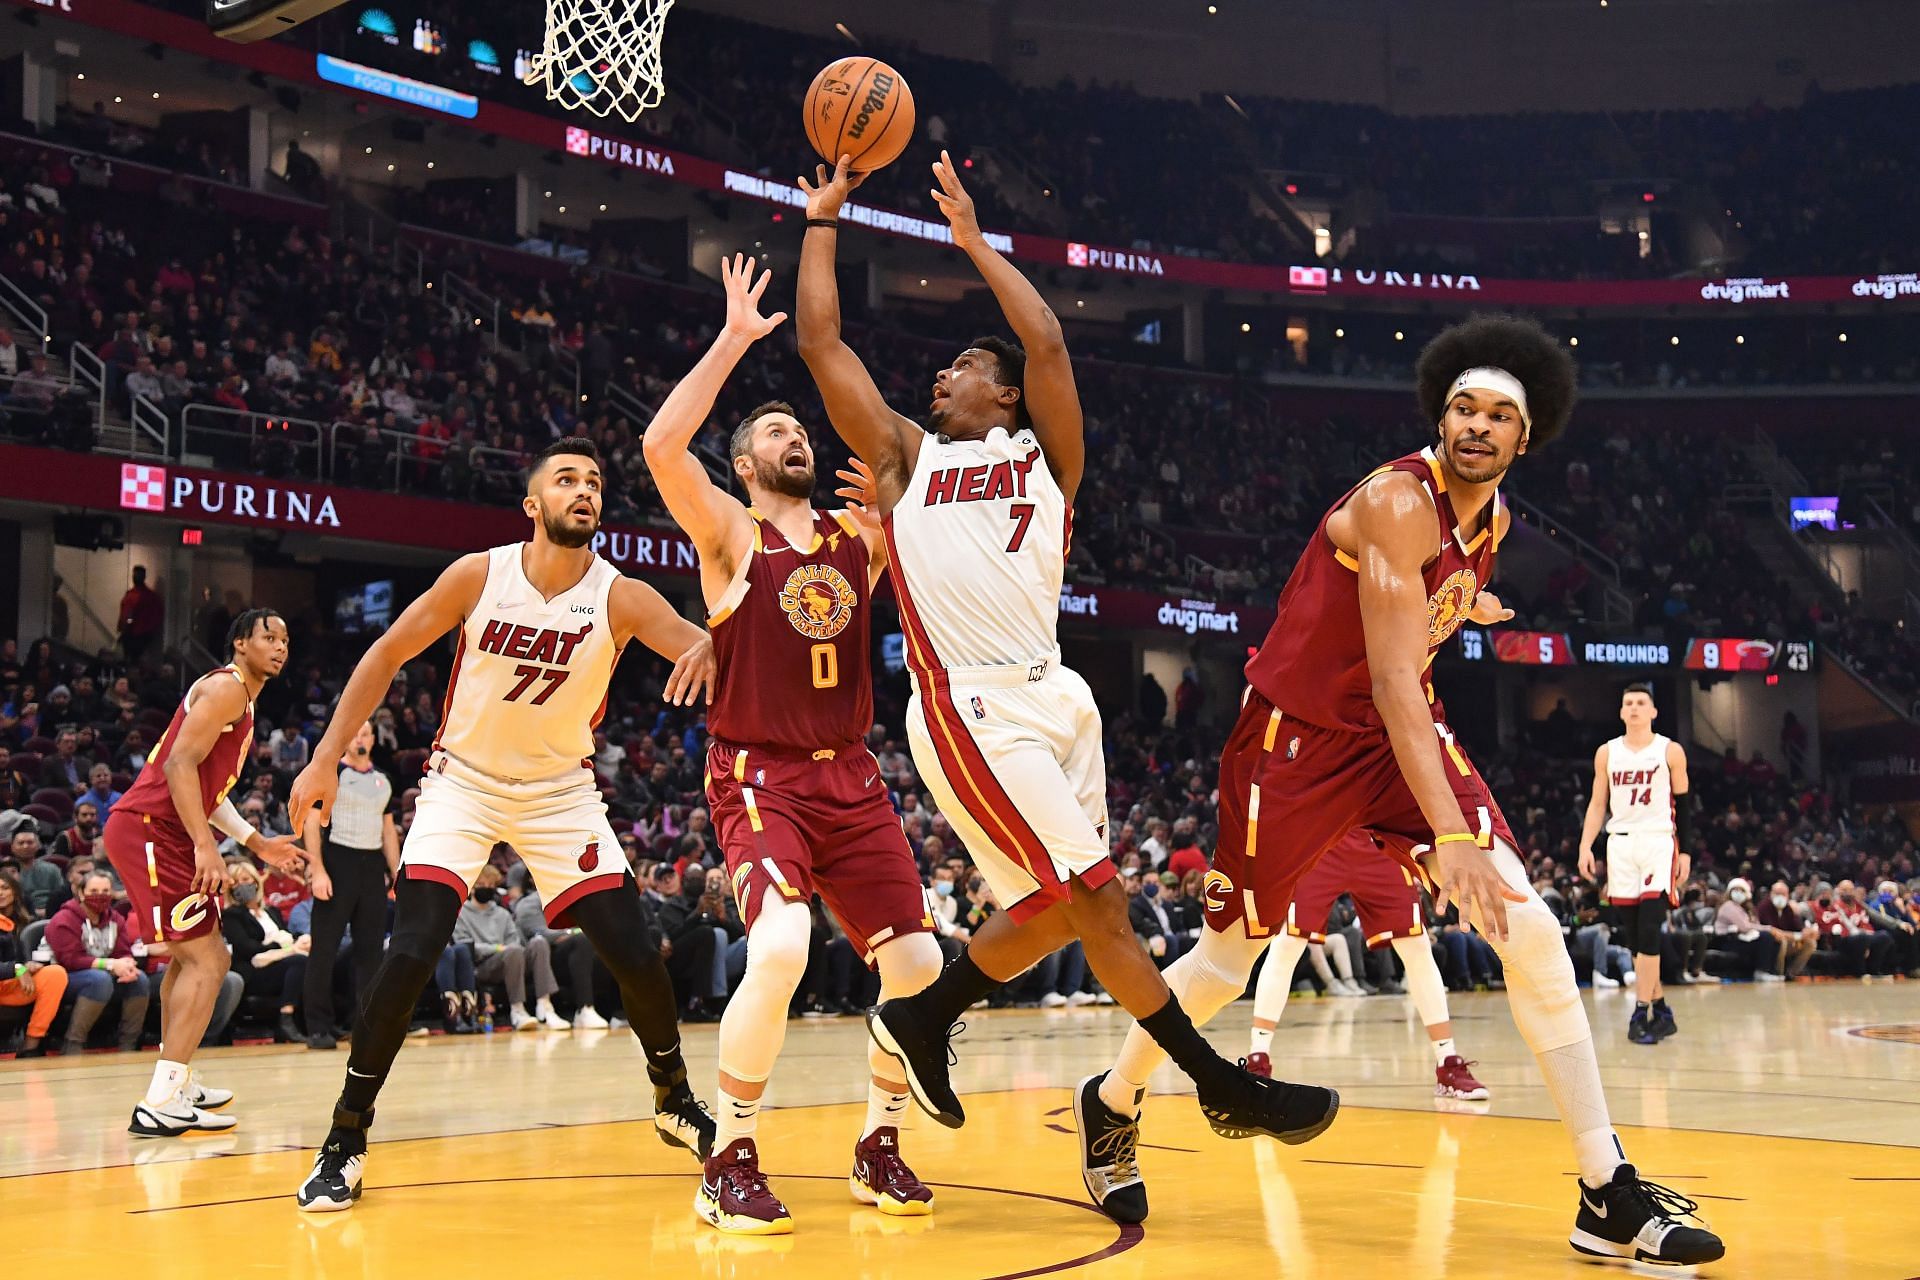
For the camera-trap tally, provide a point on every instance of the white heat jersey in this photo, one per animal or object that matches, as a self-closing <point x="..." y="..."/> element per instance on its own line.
<point x="979" y="545"/>
<point x="1641" y="801"/>
<point x="530" y="675"/>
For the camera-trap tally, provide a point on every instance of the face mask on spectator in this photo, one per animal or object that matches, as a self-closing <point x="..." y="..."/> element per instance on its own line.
<point x="244" y="894"/>
<point x="1737" y="895"/>
<point x="943" y="888"/>
<point x="1779" y="902"/>
<point x="99" y="903"/>
<point x="484" y="894"/>
<point x="1151" y="888"/>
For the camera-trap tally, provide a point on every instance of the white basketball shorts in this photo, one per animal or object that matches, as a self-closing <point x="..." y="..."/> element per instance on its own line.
<point x="1640" y="866"/>
<point x="1012" y="756"/>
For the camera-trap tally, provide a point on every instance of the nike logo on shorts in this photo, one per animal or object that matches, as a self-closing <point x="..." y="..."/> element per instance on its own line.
<point x="869" y="781"/>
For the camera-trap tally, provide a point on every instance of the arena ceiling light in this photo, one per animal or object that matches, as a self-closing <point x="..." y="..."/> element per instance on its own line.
<point x="245" y="21"/>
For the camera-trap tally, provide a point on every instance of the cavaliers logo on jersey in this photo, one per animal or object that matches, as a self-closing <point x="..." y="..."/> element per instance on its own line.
<point x="1216" y="890"/>
<point x="818" y="601"/>
<point x="1450" y="605"/>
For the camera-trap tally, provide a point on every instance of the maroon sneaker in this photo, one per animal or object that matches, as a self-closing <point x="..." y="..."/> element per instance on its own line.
<point x="1453" y="1080"/>
<point x="734" y="1196"/>
<point x="1260" y="1065"/>
<point x="881" y="1178"/>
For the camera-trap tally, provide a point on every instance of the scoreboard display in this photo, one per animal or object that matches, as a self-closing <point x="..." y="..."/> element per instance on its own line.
<point x="1533" y="648"/>
<point x="1730" y="654"/>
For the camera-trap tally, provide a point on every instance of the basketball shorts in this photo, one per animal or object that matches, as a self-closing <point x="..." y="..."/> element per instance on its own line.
<point x="558" y="826"/>
<point x="801" y="826"/>
<point x="1013" y="757"/>
<point x="1384" y="888"/>
<point x="1640" y="867"/>
<point x="1290" y="790"/>
<point x="154" y="860"/>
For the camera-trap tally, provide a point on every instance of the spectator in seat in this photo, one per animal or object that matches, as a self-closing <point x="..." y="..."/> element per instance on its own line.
<point x="1797" y="935"/>
<point x="26" y="979"/>
<point x="99" y="793"/>
<point x="569" y="948"/>
<point x="694" y="922"/>
<point x="287" y="747"/>
<point x="66" y="767"/>
<point x="1151" y="922"/>
<point x="78" y="869"/>
<point x="15" y="790"/>
<point x="95" y="946"/>
<point x="268" y="958"/>
<point x="39" y="878"/>
<point x="77" y="842"/>
<point x="1186" y="855"/>
<point x="1737" y="929"/>
<point x="1690" y="928"/>
<point x="1845" y="929"/>
<point x="500" y="956"/>
<point x="1892" y="919"/>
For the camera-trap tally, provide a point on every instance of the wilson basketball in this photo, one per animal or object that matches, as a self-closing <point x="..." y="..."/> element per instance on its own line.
<point x="859" y="107"/>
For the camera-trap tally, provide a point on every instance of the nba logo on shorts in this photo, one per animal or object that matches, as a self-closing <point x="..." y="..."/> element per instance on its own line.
<point x="979" y="709"/>
<point x="579" y="141"/>
<point x="759" y="777"/>
<point x="1293" y="748"/>
<point x="142" y="487"/>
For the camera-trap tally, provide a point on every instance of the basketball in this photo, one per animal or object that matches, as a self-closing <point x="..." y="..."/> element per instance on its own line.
<point x="859" y="107"/>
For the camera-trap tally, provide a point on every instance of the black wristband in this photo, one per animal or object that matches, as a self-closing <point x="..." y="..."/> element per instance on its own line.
<point x="823" y="222"/>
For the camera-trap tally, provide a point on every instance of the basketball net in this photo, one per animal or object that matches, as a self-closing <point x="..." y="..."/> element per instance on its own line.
<point x="603" y="55"/>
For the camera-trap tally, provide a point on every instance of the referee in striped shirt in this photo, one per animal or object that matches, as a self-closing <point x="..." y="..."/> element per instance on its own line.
<point x="357" y="856"/>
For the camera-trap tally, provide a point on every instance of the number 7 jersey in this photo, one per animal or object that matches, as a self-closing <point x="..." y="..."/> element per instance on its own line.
<point x="792" y="638"/>
<point x="978" y="543"/>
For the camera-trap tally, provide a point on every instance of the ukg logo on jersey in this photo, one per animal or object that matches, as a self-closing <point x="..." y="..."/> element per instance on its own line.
<point x="1888" y="287"/>
<point x="1754" y="289"/>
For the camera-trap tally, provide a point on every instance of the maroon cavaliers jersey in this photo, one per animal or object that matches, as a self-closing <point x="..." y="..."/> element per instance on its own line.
<point x="218" y="772"/>
<point x="1313" y="663"/>
<point x="791" y="641"/>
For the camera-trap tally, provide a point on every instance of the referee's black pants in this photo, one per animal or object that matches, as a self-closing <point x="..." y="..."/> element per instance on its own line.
<point x="359" y="898"/>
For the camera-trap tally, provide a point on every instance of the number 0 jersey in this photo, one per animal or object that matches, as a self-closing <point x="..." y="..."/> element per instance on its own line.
<point x="530" y="675"/>
<point x="1640" y="786"/>
<point x="979" y="545"/>
<point x="792" y="638"/>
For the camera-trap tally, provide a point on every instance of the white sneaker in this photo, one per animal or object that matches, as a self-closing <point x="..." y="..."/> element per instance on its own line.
<point x="177" y="1119"/>
<point x="617" y="1023"/>
<point x="1347" y="989"/>
<point x="1601" y="982"/>
<point x="200" y="1095"/>
<point x="588" y="1019"/>
<point x="1768" y="977"/>
<point x="1053" y="1000"/>
<point x="1693" y="979"/>
<point x="1103" y="998"/>
<point x="1080" y="999"/>
<point x="523" y="1021"/>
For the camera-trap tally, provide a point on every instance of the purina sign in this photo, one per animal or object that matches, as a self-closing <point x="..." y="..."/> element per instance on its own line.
<point x="598" y="146"/>
<point x="1094" y="258"/>
<point x="149" y="488"/>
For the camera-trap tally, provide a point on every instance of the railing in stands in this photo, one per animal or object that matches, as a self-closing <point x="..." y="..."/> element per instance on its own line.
<point x="1616" y="605"/>
<point x="238" y="439"/>
<point x="29" y="315"/>
<point x="150" y="424"/>
<point x="90" y="371"/>
<point x="463" y="295"/>
<point x="350" y="461"/>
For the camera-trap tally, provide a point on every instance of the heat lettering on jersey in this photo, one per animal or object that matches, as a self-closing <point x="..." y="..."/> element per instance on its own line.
<point x="982" y="483"/>
<point x="1633" y="777"/>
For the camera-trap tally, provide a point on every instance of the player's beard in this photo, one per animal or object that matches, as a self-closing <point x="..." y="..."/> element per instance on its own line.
<point x="776" y="478"/>
<point x="1477" y="470"/>
<point x="562" y="534"/>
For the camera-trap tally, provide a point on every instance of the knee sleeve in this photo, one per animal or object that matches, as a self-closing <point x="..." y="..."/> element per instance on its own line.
<point x="1541" y="989"/>
<point x="755" y="1023"/>
<point x="1214" y="974"/>
<point x="1424" y="983"/>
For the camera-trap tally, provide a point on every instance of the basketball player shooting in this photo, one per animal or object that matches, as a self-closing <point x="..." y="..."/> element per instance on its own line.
<point x="541" y="625"/>
<point x="1640" y="795"/>
<point x="161" y="843"/>
<point x="795" y="793"/>
<point x="1340" y="728"/>
<point x="977" y="514"/>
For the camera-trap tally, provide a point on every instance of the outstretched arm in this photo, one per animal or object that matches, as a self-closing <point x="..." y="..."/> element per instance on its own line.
<point x="716" y="521"/>
<point x="640" y="613"/>
<point x="889" y="442"/>
<point x="1053" y="402"/>
<point x="444" y="606"/>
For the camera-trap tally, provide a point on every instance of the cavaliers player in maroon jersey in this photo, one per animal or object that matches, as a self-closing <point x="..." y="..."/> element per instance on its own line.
<point x="795" y="793"/>
<point x="1340" y="729"/>
<point x="161" y="843"/>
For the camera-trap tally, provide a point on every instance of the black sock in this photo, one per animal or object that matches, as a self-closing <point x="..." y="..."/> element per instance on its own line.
<point x="959" y="987"/>
<point x="1660" y="1005"/>
<point x="1639" y="1006"/>
<point x="1174" y="1031"/>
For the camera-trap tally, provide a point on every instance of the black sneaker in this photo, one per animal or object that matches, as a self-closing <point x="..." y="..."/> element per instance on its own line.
<point x="321" y="1040"/>
<point x="924" y="1053"/>
<point x="1109" y="1146"/>
<point x="1662" y="1024"/>
<point x="682" y="1120"/>
<point x="1640" y="1028"/>
<point x="1639" y="1221"/>
<point x="1246" y="1106"/>
<point x="334" y="1184"/>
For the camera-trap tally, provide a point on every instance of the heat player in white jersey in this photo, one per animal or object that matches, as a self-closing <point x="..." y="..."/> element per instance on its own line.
<point x="1640" y="796"/>
<point x="540" y="626"/>
<point x="978" y="512"/>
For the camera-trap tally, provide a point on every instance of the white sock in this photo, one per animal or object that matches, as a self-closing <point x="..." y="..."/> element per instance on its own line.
<point x="1442" y="1050"/>
<point x="734" y="1117"/>
<point x="167" y="1079"/>
<point x="885" y="1109"/>
<point x="1572" y="1077"/>
<point x="1262" y="1039"/>
<point x="1123" y="1095"/>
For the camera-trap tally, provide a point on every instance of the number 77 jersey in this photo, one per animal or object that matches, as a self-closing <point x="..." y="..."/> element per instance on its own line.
<point x="792" y="638"/>
<point x="978" y="544"/>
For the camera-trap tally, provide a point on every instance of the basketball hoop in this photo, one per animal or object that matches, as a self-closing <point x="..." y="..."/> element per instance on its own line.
<point x="603" y="56"/>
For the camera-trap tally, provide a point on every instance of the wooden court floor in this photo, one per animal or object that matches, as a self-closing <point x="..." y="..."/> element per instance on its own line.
<point x="1792" y="1114"/>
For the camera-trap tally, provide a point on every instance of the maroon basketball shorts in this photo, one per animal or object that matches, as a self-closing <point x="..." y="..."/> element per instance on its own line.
<point x="801" y="826"/>
<point x="1290" y="790"/>
<point x="1384" y="888"/>
<point x="154" y="860"/>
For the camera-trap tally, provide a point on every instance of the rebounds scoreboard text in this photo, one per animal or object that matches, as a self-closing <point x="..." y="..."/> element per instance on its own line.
<point x="1731" y="654"/>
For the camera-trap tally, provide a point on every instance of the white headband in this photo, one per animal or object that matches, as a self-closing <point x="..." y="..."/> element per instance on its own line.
<point x="1498" y="381"/>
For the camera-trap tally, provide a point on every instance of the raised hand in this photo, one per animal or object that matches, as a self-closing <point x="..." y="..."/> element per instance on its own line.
<point x="1488" y="610"/>
<point x="954" y="201"/>
<point x="315" y="788"/>
<point x="825" y="194"/>
<point x="693" y="676"/>
<point x="743" y="299"/>
<point x="862" y="492"/>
